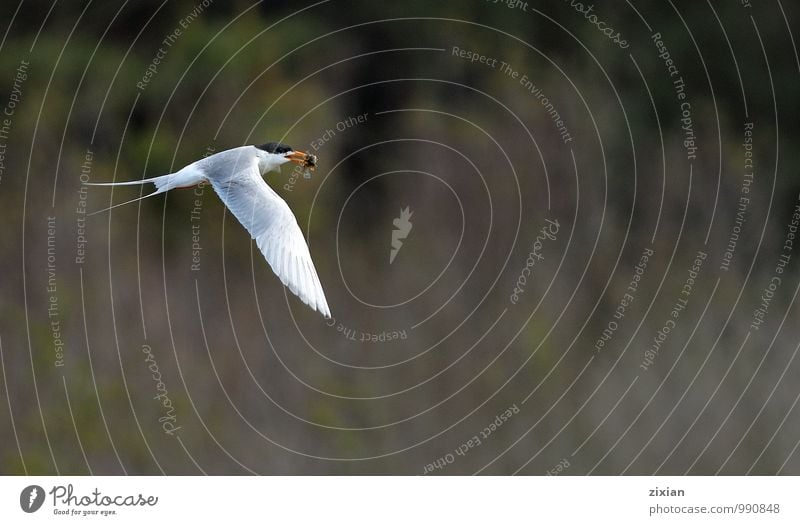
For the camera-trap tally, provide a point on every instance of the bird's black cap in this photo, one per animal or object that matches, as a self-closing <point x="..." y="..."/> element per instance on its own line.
<point x="275" y="147"/>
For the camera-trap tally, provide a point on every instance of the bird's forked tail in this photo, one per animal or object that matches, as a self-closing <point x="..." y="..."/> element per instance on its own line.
<point x="162" y="183"/>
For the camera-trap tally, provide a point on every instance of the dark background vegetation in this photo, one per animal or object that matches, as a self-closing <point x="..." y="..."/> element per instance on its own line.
<point x="261" y="384"/>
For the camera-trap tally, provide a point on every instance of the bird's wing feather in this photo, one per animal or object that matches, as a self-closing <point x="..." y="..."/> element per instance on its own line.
<point x="272" y="224"/>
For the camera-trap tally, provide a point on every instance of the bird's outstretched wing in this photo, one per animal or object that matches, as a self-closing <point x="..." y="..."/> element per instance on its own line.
<point x="272" y="224"/>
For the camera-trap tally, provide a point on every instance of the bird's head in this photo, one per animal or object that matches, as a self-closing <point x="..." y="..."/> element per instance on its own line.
<point x="272" y="155"/>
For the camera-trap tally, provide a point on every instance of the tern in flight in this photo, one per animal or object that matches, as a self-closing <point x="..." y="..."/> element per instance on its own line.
<point x="237" y="177"/>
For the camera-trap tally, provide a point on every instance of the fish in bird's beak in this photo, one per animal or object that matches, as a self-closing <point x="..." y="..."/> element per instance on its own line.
<point x="303" y="159"/>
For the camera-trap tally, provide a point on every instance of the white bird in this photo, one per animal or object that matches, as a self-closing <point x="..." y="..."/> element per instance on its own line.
<point x="237" y="177"/>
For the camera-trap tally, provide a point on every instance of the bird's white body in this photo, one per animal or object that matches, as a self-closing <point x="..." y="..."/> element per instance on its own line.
<point x="221" y="167"/>
<point x="237" y="177"/>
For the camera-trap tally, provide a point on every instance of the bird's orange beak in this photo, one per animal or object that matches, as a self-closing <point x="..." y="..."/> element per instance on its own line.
<point x="303" y="159"/>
